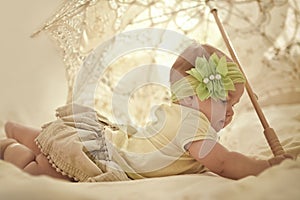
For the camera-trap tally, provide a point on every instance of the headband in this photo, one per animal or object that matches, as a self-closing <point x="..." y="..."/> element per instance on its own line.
<point x="209" y="78"/>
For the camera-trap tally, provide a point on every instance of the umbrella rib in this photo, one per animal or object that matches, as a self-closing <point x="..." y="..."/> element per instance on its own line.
<point x="237" y="14"/>
<point x="195" y="27"/>
<point x="65" y="12"/>
<point x="167" y="14"/>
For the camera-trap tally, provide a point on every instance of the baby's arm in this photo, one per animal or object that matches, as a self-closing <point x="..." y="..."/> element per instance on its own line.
<point x="225" y="163"/>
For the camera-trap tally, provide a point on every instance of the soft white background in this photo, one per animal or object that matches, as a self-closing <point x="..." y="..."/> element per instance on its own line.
<point x="32" y="79"/>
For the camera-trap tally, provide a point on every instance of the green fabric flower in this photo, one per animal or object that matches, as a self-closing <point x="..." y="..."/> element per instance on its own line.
<point x="209" y="78"/>
<point x="212" y="77"/>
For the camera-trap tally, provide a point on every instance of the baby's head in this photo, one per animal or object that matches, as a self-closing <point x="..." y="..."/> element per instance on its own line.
<point x="204" y="78"/>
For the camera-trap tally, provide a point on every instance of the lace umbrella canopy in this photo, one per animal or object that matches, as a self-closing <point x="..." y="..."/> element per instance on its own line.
<point x="265" y="34"/>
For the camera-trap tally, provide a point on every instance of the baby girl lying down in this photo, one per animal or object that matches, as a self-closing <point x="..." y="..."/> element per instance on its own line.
<point x="82" y="145"/>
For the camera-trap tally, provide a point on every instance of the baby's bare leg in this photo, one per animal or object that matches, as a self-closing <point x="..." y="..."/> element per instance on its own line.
<point x="23" y="157"/>
<point x="41" y="166"/>
<point x="23" y="134"/>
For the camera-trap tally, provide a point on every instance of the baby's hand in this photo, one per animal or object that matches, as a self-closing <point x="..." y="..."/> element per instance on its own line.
<point x="278" y="159"/>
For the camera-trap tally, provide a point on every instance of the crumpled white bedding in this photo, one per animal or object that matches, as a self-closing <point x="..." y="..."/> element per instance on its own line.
<point x="281" y="182"/>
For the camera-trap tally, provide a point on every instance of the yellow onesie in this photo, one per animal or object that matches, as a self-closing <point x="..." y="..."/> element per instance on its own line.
<point x="158" y="149"/>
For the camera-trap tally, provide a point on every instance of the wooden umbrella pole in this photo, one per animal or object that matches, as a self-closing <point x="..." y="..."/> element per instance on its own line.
<point x="269" y="133"/>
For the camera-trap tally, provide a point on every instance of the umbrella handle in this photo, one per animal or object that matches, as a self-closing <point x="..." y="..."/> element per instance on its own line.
<point x="269" y="133"/>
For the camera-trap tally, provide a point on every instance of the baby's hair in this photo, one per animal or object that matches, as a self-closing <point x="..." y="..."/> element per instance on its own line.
<point x="186" y="60"/>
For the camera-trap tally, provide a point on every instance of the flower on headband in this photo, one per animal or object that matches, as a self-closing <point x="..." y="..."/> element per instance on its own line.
<point x="212" y="79"/>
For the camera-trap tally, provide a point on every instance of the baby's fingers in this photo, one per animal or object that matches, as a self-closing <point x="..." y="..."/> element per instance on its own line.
<point x="278" y="159"/>
<point x="288" y="156"/>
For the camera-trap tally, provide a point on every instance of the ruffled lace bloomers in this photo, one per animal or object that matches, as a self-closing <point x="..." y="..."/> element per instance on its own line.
<point x="75" y="145"/>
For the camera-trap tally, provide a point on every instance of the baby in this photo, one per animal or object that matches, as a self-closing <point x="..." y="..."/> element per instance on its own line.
<point x="82" y="145"/>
